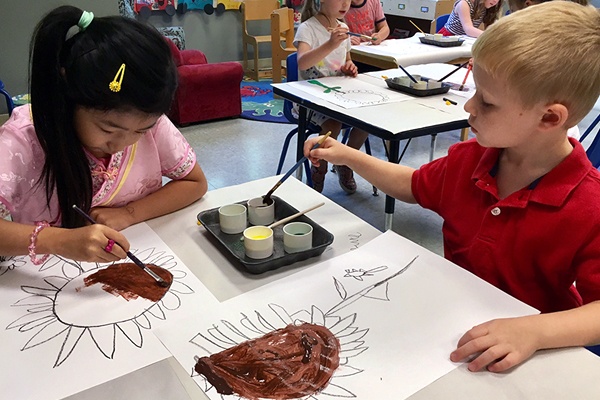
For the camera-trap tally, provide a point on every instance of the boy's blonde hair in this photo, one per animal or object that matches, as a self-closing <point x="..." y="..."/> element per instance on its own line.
<point x="547" y="53"/>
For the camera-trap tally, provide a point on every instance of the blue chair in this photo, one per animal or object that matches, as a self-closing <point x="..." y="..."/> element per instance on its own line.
<point x="9" y="103"/>
<point x="292" y="76"/>
<point x="594" y="349"/>
<point x="593" y="150"/>
<point x="441" y="21"/>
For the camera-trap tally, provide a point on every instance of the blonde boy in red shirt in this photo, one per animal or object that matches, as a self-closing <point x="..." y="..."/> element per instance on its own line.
<point x="521" y="202"/>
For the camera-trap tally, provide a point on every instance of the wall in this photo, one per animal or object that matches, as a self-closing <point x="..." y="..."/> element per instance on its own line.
<point x="217" y="36"/>
<point x="18" y="19"/>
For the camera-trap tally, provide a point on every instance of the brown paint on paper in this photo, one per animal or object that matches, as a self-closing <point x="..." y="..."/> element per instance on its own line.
<point x="289" y="363"/>
<point x="130" y="281"/>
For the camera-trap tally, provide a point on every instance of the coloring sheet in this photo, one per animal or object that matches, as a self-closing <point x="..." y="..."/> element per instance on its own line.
<point x="349" y="92"/>
<point x="376" y="323"/>
<point x="67" y="326"/>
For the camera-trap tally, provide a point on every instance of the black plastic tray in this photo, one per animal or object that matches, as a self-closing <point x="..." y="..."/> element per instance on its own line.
<point x="416" y="92"/>
<point x="235" y="246"/>
<point x="439" y="43"/>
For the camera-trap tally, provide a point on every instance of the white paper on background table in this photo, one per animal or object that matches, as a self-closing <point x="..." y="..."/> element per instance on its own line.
<point x="397" y="325"/>
<point x="411" y="51"/>
<point x="350" y="92"/>
<point x="59" y="337"/>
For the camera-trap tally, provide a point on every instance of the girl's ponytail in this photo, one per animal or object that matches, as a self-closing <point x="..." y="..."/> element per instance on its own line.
<point x="66" y="168"/>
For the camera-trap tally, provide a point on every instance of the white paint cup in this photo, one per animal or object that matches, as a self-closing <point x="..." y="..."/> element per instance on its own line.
<point x="258" y="242"/>
<point x="402" y="80"/>
<point x="433" y="84"/>
<point x="420" y="85"/>
<point x="233" y="218"/>
<point x="297" y="237"/>
<point x="260" y="213"/>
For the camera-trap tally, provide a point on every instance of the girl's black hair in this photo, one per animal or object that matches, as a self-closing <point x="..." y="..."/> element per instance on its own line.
<point x="76" y="71"/>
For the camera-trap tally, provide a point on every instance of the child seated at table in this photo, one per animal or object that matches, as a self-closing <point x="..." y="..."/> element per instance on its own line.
<point x="468" y="15"/>
<point x="95" y="137"/>
<point x="366" y="17"/>
<point x="521" y="201"/>
<point x="324" y="50"/>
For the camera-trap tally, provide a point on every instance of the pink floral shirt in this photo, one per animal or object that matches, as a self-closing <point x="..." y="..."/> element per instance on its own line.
<point x="129" y="175"/>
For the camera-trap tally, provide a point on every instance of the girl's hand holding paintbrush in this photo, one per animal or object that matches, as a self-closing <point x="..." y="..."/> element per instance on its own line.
<point x="337" y="35"/>
<point x="87" y="243"/>
<point x="80" y="244"/>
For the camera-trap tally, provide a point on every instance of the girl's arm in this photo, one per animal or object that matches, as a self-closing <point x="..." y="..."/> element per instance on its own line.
<point x="173" y="196"/>
<point x="81" y="244"/>
<point x="503" y="343"/>
<point x="464" y="14"/>
<point x="309" y="57"/>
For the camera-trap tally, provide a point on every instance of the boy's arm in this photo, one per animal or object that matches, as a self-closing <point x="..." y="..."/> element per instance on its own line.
<point x="392" y="179"/>
<point x="504" y="343"/>
<point x="464" y="14"/>
<point x="175" y="195"/>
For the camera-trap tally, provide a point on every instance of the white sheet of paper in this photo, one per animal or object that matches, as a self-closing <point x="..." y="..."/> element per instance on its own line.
<point x="397" y="327"/>
<point x="350" y="92"/>
<point x="59" y="337"/>
<point x="411" y="51"/>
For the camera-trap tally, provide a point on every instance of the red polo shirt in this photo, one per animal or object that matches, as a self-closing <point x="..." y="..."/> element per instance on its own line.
<point x="533" y="244"/>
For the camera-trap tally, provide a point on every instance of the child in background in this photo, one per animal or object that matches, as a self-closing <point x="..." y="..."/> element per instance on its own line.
<point x="521" y="202"/>
<point x="516" y="5"/>
<point x="468" y="15"/>
<point x="94" y="136"/>
<point x="324" y="50"/>
<point x="366" y="17"/>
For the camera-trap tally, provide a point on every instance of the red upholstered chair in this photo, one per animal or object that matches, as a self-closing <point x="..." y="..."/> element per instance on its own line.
<point x="206" y="91"/>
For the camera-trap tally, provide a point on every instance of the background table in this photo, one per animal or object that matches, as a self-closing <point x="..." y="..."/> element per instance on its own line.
<point x="552" y="374"/>
<point x="393" y="52"/>
<point x="418" y="116"/>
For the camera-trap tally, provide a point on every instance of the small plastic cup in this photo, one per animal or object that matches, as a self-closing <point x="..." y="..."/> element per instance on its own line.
<point x="402" y="80"/>
<point x="419" y="85"/>
<point x="258" y="242"/>
<point x="233" y="218"/>
<point x="433" y="84"/>
<point x="260" y="213"/>
<point x="297" y="237"/>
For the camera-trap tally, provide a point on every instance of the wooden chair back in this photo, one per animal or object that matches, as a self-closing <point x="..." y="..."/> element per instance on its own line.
<point x="255" y="10"/>
<point x="282" y="39"/>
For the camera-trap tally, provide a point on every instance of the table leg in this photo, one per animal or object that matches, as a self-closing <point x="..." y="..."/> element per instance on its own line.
<point x="302" y="123"/>
<point x="390" y="202"/>
<point x="432" y="149"/>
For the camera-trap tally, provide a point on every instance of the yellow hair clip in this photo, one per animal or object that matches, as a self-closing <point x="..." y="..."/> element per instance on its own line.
<point x="115" y="85"/>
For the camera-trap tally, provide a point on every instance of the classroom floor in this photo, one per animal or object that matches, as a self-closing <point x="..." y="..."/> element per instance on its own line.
<point x="235" y="151"/>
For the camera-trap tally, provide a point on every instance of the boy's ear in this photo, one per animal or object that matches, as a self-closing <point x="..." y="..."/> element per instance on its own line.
<point x="554" y="116"/>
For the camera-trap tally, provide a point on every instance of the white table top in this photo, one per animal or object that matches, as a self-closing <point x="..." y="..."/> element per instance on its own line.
<point x="390" y="120"/>
<point x="411" y="51"/>
<point x="566" y="373"/>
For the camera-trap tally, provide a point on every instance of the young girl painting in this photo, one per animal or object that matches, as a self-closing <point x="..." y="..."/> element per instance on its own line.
<point x="323" y="47"/>
<point x="95" y="136"/>
<point x="468" y="16"/>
